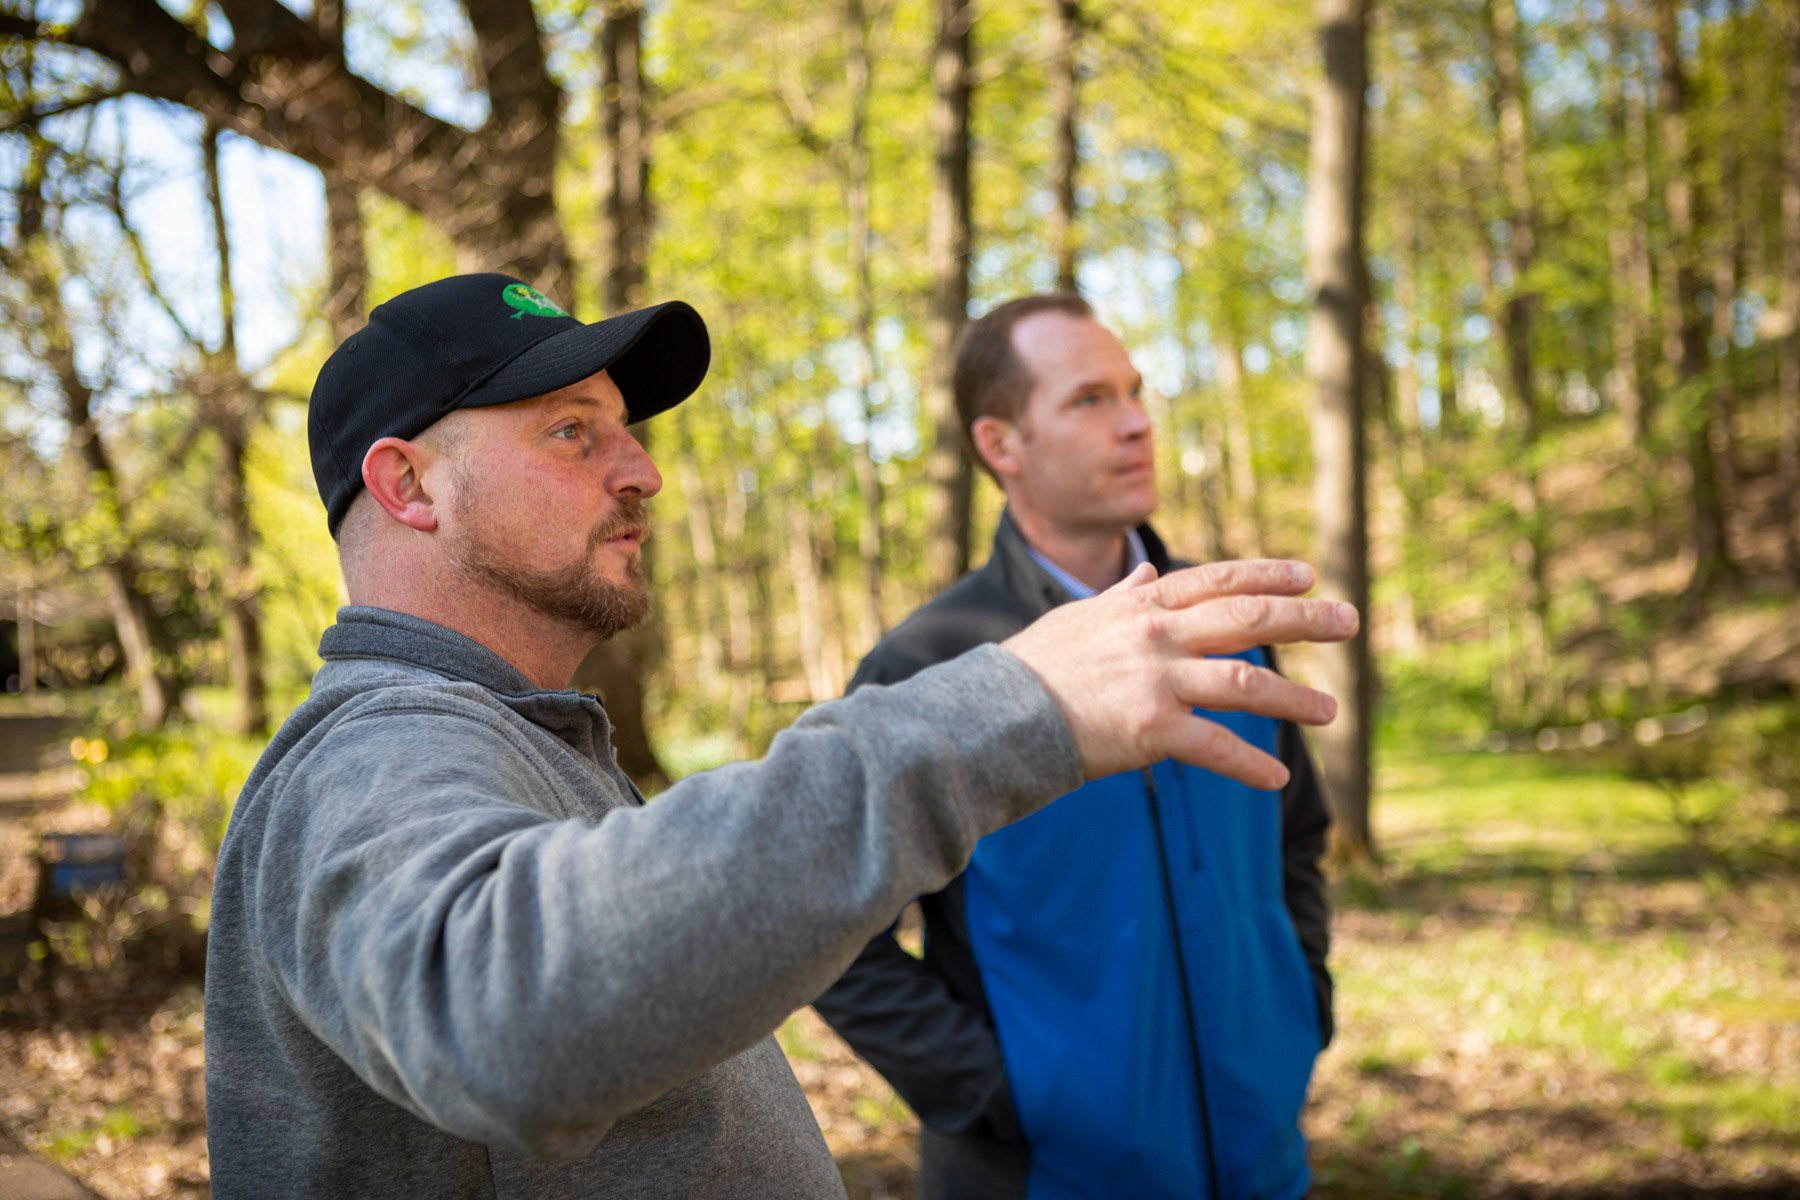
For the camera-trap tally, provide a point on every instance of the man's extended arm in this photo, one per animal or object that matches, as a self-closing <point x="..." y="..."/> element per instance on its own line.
<point x="524" y="981"/>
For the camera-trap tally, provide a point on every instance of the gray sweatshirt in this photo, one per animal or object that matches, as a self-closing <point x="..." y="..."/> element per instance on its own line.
<point x="453" y="952"/>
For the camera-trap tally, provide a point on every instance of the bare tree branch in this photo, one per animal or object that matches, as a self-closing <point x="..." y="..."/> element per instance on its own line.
<point x="115" y="204"/>
<point x="284" y="84"/>
<point x="802" y="117"/>
<point x="671" y="112"/>
<point x="513" y="67"/>
<point x="32" y="116"/>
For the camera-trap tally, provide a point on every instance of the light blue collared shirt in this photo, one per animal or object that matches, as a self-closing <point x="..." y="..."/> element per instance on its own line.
<point x="1134" y="554"/>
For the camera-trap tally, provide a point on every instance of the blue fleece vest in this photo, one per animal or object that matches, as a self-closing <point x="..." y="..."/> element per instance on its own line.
<point x="1069" y="922"/>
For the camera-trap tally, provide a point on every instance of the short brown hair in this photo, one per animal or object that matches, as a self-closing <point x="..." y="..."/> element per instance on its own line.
<point x="989" y="379"/>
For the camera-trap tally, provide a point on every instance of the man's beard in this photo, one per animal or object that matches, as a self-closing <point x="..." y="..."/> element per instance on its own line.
<point x="576" y="593"/>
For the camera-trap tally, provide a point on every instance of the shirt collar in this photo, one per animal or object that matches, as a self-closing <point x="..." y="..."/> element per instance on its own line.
<point x="1135" y="553"/>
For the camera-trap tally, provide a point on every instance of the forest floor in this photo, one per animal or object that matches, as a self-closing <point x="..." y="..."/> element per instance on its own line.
<point x="1549" y="989"/>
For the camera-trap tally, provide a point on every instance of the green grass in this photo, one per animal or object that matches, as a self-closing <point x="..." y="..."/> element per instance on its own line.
<point x="1433" y="810"/>
<point x="1548" y="976"/>
<point x="118" y="1124"/>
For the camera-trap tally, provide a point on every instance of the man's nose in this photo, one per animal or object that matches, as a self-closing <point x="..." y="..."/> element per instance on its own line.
<point x="1134" y="420"/>
<point x="633" y="471"/>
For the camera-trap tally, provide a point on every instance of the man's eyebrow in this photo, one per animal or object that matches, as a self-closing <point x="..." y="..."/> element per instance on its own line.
<point x="585" y="401"/>
<point x="1097" y="384"/>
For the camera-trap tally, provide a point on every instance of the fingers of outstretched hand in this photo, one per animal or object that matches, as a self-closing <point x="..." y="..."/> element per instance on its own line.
<point x="1261" y="576"/>
<point x="1231" y="684"/>
<point x="1210" y="746"/>
<point x="1230" y="624"/>
<point x="1141" y="575"/>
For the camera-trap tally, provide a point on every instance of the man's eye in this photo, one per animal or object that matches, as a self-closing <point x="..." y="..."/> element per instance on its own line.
<point x="567" y="432"/>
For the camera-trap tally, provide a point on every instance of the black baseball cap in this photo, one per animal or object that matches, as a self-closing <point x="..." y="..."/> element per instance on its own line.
<point x="474" y="340"/>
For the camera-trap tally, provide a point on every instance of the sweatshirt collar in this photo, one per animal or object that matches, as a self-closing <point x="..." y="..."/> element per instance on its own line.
<point x="365" y="634"/>
<point x="379" y="633"/>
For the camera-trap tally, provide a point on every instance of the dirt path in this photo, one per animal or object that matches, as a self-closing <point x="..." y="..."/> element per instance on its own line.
<point x="23" y="1177"/>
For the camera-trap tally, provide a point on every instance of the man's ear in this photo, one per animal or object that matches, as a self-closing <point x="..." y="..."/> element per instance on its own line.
<point x="393" y="471"/>
<point x="997" y="442"/>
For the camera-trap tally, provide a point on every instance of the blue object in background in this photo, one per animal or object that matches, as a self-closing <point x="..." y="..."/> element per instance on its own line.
<point x="71" y="864"/>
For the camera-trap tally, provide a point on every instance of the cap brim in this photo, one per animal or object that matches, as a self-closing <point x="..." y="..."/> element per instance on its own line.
<point x="657" y="357"/>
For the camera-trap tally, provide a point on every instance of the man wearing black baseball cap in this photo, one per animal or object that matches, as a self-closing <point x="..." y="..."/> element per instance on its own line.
<point x="453" y="952"/>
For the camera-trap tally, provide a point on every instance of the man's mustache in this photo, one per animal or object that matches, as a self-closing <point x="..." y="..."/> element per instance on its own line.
<point x="630" y="517"/>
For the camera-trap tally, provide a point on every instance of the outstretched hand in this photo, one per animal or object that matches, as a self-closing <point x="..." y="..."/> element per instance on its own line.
<point x="1129" y="666"/>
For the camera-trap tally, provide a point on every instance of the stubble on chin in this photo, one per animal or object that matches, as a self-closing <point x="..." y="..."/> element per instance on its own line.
<point x="575" y="593"/>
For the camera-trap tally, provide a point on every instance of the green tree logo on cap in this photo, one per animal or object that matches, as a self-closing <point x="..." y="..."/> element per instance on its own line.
<point x="530" y="302"/>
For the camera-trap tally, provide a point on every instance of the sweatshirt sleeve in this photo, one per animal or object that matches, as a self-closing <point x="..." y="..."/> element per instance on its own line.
<point x="524" y="982"/>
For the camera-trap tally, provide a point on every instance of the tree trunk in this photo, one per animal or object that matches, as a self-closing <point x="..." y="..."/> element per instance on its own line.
<point x="948" y="464"/>
<point x="624" y="158"/>
<point x="1788" y="371"/>
<point x="868" y="481"/>
<point x="1214" y="544"/>
<point x="140" y="633"/>
<point x="231" y="406"/>
<point x="347" y="287"/>
<point x="1513" y="127"/>
<point x="149" y="651"/>
<point x="27" y="625"/>
<point x="1240" y="446"/>
<point x="707" y="583"/>
<point x="1407" y="466"/>
<point x="761" y="536"/>
<point x="150" y="658"/>
<point x="1727" y="271"/>
<point x="1684" y="344"/>
<point x="744" y="649"/>
<point x="809" y="567"/>
<point x="616" y="669"/>
<point x="243" y="616"/>
<point x="1628" y="254"/>
<point x="837" y="664"/>
<point x="1065" y="102"/>
<point x="347" y="294"/>
<point x="1335" y="362"/>
<point x="1198" y="486"/>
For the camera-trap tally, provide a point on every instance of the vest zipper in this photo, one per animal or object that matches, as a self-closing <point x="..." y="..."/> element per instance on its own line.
<point x="1187" y="994"/>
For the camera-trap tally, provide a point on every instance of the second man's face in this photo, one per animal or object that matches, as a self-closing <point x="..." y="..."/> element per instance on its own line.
<point x="1084" y="456"/>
